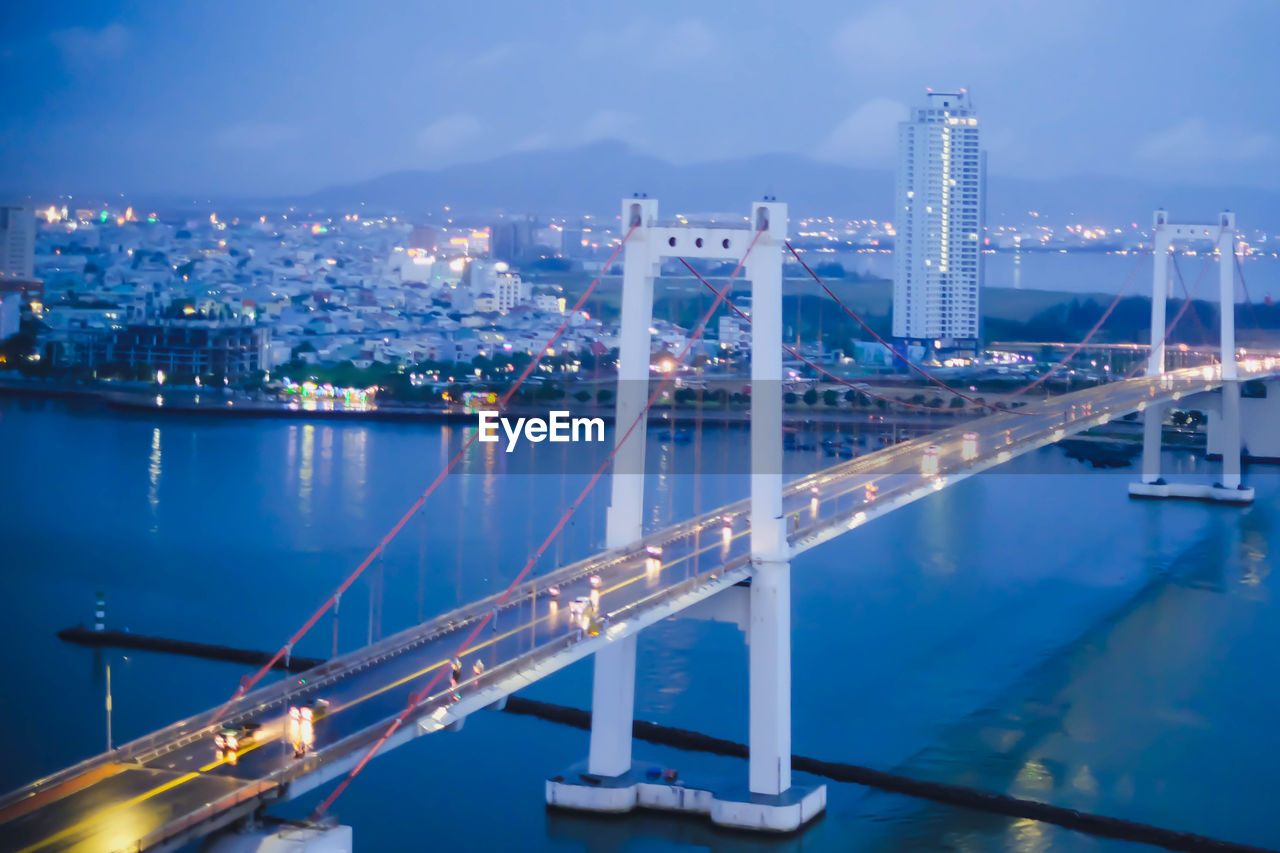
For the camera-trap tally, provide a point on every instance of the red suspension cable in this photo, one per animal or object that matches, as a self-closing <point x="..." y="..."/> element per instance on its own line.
<point x="1244" y="285"/>
<point x="1195" y="315"/>
<point x="915" y="367"/>
<point x="894" y="401"/>
<point x="1096" y="326"/>
<point x="1140" y="366"/>
<point x="248" y="682"/>
<point x="796" y="354"/>
<point x="418" y="697"/>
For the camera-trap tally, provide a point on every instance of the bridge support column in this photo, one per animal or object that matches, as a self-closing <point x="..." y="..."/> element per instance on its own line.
<point x="608" y="784"/>
<point x="613" y="692"/>
<point x="1227" y="354"/>
<point x="769" y="770"/>
<point x="1152" y="437"/>
<point x="770" y="802"/>
<point x="1231" y="449"/>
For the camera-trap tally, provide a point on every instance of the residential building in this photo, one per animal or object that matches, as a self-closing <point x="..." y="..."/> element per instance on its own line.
<point x="937" y="254"/>
<point x="17" y="241"/>
<point x="10" y="306"/>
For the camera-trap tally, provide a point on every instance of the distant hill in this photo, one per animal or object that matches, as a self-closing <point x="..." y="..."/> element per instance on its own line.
<point x="590" y="178"/>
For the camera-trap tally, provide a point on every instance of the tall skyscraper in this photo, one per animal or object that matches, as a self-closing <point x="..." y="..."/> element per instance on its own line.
<point x="17" y="241"/>
<point x="937" y="272"/>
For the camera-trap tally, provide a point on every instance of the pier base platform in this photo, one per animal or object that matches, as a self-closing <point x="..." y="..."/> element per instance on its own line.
<point x="1191" y="492"/>
<point x="647" y="787"/>
<point x="282" y="838"/>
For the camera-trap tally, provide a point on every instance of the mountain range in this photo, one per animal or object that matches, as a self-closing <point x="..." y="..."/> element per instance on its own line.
<point x="592" y="178"/>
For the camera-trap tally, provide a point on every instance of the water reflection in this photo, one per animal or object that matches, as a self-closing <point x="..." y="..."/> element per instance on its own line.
<point x="326" y="456"/>
<point x="305" y="473"/>
<point x="1028" y="836"/>
<point x="355" y="471"/>
<point x="1254" y="566"/>
<point x="153" y="476"/>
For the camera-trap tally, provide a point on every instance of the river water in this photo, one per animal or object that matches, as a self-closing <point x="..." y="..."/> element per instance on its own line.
<point x="1032" y="631"/>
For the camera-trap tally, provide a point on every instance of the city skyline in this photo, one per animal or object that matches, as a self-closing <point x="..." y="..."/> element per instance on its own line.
<point x="263" y="105"/>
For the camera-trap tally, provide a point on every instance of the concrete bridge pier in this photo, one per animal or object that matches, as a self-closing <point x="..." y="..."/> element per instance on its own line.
<point x="1152" y="437"/>
<point x="1231" y="439"/>
<point x="1257" y="404"/>
<point x="769" y="802"/>
<point x="610" y="782"/>
<point x="606" y="783"/>
<point x="281" y="838"/>
<point x="1229" y="489"/>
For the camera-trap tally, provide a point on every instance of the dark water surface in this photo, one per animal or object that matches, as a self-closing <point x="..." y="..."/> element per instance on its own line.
<point x="1031" y="631"/>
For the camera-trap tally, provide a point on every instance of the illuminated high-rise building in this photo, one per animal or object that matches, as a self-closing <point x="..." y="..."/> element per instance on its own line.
<point x="17" y="241"/>
<point x="937" y="273"/>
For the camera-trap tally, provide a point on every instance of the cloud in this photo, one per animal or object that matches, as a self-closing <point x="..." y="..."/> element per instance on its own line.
<point x="447" y="135"/>
<point x="954" y="38"/>
<point x="254" y="136"/>
<point x="652" y="48"/>
<point x="608" y="124"/>
<point x="686" y="43"/>
<point x="539" y="141"/>
<point x="82" y="47"/>
<point x="1193" y="141"/>
<point x="868" y="137"/>
<point x="499" y="54"/>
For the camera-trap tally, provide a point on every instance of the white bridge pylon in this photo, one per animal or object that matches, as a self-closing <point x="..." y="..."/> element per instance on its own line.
<point x="1153" y="484"/>
<point x="769" y="801"/>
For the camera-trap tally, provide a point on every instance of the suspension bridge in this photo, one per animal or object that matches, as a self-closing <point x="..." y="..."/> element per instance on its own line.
<point x="272" y="742"/>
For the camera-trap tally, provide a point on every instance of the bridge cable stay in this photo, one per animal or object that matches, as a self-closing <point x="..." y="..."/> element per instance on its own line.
<point x="248" y="682"/>
<point x="1093" y="331"/>
<point x="417" y="697"/>
<point x="1248" y="300"/>
<point x="978" y="403"/>
<point x="903" y="403"/>
<point x="1141" y="365"/>
<point x="1195" y="314"/>
<point x="794" y="353"/>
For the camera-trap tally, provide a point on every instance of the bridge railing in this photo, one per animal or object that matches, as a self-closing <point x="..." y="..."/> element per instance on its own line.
<point x="274" y="784"/>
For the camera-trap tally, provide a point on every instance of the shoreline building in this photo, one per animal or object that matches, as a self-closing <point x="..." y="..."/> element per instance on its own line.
<point x="937" y="271"/>
<point x="184" y="347"/>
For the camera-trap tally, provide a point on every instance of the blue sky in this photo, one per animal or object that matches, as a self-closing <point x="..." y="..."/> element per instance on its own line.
<point x="274" y="97"/>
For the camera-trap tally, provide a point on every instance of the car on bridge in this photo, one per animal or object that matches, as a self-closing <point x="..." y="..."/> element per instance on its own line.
<point x="231" y="739"/>
<point x="300" y="727"/>
<point x="929" y="465"/>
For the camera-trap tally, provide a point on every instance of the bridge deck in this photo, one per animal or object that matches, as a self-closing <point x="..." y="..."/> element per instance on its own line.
<point x="171" y="786"/>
